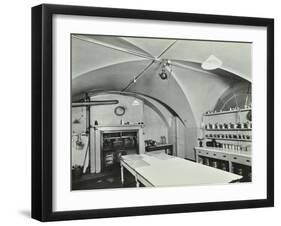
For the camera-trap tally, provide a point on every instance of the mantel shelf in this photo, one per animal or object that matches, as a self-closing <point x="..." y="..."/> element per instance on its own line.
<point x="123" y="137"/>
<point x="117" y="126"/>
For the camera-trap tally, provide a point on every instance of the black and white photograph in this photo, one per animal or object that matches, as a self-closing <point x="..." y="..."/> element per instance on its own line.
<point x="159" y="112"/>
<point x="142" y="112"/>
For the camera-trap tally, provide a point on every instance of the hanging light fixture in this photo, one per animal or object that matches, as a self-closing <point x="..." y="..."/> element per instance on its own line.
<point x="211" y="63"/>
<point x="163" y="74"/>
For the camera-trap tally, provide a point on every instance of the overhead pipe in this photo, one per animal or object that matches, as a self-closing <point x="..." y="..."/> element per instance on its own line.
<point x="155" y="60"/>
<point x="94" y="103"/>
<point x="138" y="76"/>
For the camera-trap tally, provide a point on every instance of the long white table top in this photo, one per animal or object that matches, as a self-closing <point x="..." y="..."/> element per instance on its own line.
<point x="160" y="169"/>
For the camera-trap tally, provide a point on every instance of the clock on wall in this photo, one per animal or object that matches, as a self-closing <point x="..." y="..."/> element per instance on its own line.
<point x="119" y="110"/>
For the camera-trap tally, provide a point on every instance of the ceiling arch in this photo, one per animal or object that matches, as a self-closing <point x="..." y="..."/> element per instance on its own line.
<point x="236" y="56"/>
<point x="116" y="77"/>
<point x="88" y="56"/>
<point x="113" y="63"/>
<point x="164" y="115"/>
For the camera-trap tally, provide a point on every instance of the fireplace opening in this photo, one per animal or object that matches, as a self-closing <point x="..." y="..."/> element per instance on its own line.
<point x="115" y="144"/>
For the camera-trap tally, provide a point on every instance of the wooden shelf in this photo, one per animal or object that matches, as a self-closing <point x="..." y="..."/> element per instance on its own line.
<point x="230" y="139"/>
<point x="121" y="137"/>
<point x="234" y="129"/>
<point x="113" y="149"/>
<point x="227" y="112"/>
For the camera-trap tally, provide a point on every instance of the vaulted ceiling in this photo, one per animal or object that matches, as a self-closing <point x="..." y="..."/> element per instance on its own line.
<point x="113" y="63"/>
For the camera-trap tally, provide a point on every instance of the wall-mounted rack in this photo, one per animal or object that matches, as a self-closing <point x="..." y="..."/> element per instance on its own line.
<point x="227" y="112"/>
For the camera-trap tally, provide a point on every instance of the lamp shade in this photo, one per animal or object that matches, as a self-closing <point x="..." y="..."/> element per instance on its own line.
<point x="211" y="63"/>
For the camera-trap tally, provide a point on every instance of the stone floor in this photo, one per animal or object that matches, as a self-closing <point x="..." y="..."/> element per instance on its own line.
<point x="109" y="178"/>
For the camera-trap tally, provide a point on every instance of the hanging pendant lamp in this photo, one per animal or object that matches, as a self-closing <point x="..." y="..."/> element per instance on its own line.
<point x="211" y="63"/>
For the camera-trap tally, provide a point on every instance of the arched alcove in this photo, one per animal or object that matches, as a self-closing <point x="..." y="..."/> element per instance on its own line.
<point x="237" y="96"/>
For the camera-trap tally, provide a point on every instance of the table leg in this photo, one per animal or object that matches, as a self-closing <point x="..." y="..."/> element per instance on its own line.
<point x="230" y="167"/>
<point x="137" y="182"/>
<point x="122" y="174"/>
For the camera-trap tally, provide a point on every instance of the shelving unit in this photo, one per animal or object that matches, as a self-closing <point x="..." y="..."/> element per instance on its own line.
<point x="227" y="148"/>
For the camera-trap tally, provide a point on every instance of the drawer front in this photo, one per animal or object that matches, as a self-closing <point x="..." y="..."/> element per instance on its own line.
<point x="213" y="154"/>
<point x="222" y="156"/>
<point x="204" y="153"/>
<point x="241" y="160"/>
<point x="225" y="156"/>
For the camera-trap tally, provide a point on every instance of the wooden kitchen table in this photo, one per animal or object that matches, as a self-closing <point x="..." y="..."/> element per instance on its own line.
<point x="157" y="169"/>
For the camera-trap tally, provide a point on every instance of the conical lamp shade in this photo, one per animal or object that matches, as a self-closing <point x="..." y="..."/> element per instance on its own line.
<point x="211" y="63"/>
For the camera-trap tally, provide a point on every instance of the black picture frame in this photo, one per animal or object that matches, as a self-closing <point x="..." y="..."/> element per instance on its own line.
<point x="42" y="107"/>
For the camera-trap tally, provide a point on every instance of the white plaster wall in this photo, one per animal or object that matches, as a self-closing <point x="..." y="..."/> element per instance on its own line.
<point x="105" y="115"/>
<point x="154" y="125"/>
<point x="77" y="153"/>
<point x="79" y="113"/>
<point x="202" y="90"/>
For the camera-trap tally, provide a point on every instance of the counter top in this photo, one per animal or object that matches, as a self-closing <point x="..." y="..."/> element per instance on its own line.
<point x="230" y="152"/>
